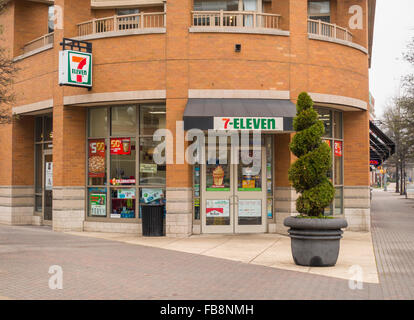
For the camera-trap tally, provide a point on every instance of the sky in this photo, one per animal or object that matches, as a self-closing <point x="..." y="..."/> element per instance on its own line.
<point x="394" y="27"/>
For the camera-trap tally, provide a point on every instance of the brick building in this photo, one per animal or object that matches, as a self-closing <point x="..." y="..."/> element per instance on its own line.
<point x="80" y="159"/>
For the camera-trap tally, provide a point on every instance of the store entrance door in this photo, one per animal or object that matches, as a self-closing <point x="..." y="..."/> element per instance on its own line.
<point x="234" y="195"/>
<point x="47" y="186"/>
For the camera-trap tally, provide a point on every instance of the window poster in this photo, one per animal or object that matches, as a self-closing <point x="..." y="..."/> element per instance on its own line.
<point x="126" y="194"/>
<point x="121" y="146"/>
<point x="96" y="159"/>
<point x="250" y="208"/>
<point x="338" y="148"/>
<point x="151" y="195"/>
<point x="218" y="177"/>
<point x="217" y="208"/>
<point x="49" y="176"/>
<point x="97" y="204"/>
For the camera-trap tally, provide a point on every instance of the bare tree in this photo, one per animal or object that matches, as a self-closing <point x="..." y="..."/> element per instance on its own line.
<point x="7" y="71"/>
<point x="399" y="123"/>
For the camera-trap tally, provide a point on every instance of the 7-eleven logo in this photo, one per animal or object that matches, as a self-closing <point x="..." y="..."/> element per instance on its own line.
<point x="79" y="72"/>
<point x="75" y="68"/>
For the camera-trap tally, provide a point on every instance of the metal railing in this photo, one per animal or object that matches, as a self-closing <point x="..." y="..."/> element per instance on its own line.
<point x="122" y="23"/>
<point x="329" y="30"/>
<point x="245" y="19"/>
<point x="38" y="42"/>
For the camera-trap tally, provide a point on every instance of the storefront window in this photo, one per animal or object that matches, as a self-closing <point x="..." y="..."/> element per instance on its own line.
<point x="325" y="117"/>
<point x="123" y="156"/>
<point x="48" y="128"/>
<point x="98" y="122"/>
<point x="151" y="118"/>
<point x="338" y="124"/>
<point x="113" y="162"/>
<point x="43" y="141"/>
<point x="334" y="138"/>
<point x="338" y="160"/>
<point x="97" y="162"/>
<point x="250" y="176"/>
<point x="123" y="120"/>
<point x="269" y="175"/>
<point x="339" y="198"/>
<point x="97" y="202"/>
<point x="196" y="190"/>
<point x="123" y="203"/>
<point x="150" y="173"/>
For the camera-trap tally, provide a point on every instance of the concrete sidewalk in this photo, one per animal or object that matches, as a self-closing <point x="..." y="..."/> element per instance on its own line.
<point x="269" y="250"/>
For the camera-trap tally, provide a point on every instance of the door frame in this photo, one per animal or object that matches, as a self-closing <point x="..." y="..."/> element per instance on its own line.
<point x="45" y="153"/>
<point x="234" y="196"/>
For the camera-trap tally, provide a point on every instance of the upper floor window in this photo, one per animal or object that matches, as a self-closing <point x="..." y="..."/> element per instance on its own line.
<point x="124" y="12"/>
<point x="319" y="10"/>
<point x="51" y="22"/>
<point x="216" y="5"/>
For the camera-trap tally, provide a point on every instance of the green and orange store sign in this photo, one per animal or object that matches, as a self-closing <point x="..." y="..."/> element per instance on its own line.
<point x="75" y="68"/>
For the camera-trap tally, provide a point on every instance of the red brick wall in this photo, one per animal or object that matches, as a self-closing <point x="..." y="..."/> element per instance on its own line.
<point x="179" y="60"/>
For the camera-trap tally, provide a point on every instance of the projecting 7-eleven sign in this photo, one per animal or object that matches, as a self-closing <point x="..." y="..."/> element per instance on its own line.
<point x="75" y="68"/>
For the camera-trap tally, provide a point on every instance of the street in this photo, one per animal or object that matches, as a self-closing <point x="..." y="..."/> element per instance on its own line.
<point x="103" y="269"/>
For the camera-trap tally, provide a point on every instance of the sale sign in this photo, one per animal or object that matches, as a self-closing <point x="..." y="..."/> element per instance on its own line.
<point x="96" y="159"/>
<point x="121" y="146"/>
<point x="338" y="148"/>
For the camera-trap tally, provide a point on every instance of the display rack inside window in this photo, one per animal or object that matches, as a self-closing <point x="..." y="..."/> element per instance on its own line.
<point x="334" y="138"/>
<point x="122" y="173"/>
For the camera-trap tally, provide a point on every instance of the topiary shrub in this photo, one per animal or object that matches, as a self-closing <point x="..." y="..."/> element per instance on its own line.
<point x="308" y="174"/>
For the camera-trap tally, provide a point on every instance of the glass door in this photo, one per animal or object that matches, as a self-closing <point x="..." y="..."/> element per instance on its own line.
<point x="47" y="186"/>
<point x="234" y="195"/>
<point x="218" y="193"/>
<point x="250" y="193"/>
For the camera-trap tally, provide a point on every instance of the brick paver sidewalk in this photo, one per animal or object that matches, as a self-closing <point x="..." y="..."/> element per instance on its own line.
<point x="101" y="269"/>
<point x="392" y="220"/>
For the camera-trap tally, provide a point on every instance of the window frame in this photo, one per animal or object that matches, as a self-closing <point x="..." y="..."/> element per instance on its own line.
<point x="138" y="187"/>
<point x="332" y="138"/>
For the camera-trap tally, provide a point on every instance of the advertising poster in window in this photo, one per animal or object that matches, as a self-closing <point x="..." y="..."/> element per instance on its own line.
<point x="126" y="194"/>
<point x="98" y="204"/>
<point x="338" y="148"/>
<point x="217" y="208"/>
<point x="151" y="195"/>
<point x="49" y="176"/>
<point x="250" y="208"/>
<point x="120" y="146"/>
<point x="96" y="159"/>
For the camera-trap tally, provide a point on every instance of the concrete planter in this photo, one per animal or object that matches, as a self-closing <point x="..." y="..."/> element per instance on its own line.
<point x="315" y="242"/>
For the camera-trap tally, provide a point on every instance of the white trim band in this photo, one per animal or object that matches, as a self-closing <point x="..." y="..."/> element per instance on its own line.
<point x="115" y="96"/>
<point x="237" y="94"/>
<point x="339" y="100"/>
<point x="339" y="41"/>
<point x="33" y="107"/>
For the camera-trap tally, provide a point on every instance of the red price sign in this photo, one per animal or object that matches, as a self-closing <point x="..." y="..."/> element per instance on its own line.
<point x="96" y="161"/>
<point x="338" y="148"/>
<point x="121" y="146"/>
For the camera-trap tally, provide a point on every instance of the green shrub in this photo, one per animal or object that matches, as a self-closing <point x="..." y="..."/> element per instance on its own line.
<point x="308" y="174"/>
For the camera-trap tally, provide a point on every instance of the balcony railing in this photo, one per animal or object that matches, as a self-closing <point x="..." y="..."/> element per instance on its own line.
<point x="329" y="30"/>
<point x="38" y="42"/>
<point x="244" y="19"/>
<point x="122" y="23"/>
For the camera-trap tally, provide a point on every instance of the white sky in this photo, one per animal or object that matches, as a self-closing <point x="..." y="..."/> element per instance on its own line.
<point x="394" y="27"/>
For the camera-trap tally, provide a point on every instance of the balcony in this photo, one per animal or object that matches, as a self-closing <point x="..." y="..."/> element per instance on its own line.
<point x="125" y="24"/>
<point x="43" y="42"/>
<point x="329" y="30"/>
<point x="236" y="21"/>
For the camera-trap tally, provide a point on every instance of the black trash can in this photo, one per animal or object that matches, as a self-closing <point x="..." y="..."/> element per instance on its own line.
<point x="153" y="221"/>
